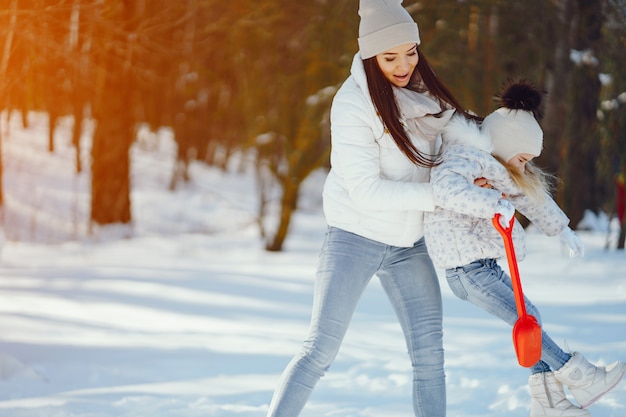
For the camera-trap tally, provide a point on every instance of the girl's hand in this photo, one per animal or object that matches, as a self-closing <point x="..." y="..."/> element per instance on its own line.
<point x="576" y="246"/>
<point x="506" y="211"/>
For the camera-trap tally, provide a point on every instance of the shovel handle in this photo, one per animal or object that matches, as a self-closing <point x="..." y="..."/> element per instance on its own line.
<point x="506" y="233"/>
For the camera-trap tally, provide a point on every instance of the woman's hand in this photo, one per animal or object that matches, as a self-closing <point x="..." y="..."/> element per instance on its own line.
<point x="482" y="182"/>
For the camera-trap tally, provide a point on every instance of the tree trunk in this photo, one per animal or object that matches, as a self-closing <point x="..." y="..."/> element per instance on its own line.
<point x="556" y="84"/>
<point x="1" y="182"/>
<point x="77" y="102"/>
<point x="53" y="117"/>
<point x="492" y="28"/>
<point x="110" y="177"/>
<point x="288" y="205"/>
<point x="77" y="129"/>
<point x="114" y="134"/>
<point x="620" y="206"/>
<point x="583" y="147"/>
<point x="3" y="84"/>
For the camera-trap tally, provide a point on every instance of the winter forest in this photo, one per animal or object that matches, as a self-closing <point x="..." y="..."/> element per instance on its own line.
<point x="161" y="167"/>
<point x="257" y="77"/>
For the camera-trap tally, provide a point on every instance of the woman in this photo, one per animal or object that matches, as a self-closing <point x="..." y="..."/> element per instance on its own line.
<point x="385" y="126"/>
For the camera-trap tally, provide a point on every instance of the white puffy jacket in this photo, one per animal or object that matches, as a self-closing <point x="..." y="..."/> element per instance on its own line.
<point x="460" y="230"/>
<point x="373" y="189"/>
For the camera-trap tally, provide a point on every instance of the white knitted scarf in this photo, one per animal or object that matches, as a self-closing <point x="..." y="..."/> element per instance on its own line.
<point x="420" y="114"/>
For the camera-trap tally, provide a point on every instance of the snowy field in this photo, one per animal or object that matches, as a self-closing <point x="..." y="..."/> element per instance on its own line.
<point x="185" y="315"/>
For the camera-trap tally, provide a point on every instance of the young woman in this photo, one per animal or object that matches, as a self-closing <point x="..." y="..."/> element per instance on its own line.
<point x="461" y="237"/>
<point x="386" y="121"/>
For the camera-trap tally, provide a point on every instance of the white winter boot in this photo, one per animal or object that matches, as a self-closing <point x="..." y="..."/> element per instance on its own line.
<point x="548" y="398"/>
<point x="587" y="382"/>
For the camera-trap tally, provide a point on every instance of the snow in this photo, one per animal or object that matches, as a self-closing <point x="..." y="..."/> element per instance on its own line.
<point x="585" y="57"/>
<point x="185" y="314"/>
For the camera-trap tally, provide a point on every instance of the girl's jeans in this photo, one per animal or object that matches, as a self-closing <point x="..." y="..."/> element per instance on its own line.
<point x="346" y="265"/>
<point x="484" y="284"/>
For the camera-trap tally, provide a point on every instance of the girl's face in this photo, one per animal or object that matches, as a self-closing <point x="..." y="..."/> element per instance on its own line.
<point x="397" y="64"/>
<point x="519" y="161"/>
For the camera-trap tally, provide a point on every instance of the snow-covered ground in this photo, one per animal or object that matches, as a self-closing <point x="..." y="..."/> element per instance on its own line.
<point x="186" y="315"/>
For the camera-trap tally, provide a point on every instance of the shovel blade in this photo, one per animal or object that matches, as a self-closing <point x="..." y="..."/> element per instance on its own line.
<point x="527" y="340"/>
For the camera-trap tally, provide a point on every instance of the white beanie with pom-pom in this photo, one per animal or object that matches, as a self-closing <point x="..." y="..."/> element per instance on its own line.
<point x="513" y="127"/>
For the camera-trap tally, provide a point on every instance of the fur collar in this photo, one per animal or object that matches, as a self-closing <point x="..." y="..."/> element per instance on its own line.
<point x="461" y="131"/>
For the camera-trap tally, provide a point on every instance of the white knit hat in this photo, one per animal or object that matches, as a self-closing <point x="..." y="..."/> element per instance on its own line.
<point x="385" y="24"/>
<point x="513" y="128"/>
<point x="513" y="132"/>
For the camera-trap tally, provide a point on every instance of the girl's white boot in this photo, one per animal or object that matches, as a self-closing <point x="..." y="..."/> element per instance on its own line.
<point x="587" y="382"/>
<point x="548" y="398"/>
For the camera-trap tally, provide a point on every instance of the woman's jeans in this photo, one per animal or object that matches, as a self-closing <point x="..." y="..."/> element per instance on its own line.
<point x="484" y="284"/>
<point x="346" y="265"/>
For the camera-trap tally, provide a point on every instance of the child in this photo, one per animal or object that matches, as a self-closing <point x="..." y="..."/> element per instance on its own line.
<point x="461" y="238"/>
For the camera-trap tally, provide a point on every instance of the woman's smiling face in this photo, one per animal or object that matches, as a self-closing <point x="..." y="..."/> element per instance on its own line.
<point x="398" y="64"/>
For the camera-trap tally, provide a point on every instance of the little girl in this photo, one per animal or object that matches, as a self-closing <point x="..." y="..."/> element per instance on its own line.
<point x="461" y="238"/>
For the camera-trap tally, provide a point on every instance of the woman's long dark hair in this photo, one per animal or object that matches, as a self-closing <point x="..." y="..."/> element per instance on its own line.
<point x="423" y="80"/>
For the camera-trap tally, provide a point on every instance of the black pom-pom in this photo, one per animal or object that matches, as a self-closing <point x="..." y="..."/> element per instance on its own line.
<point x="522" y="95"/>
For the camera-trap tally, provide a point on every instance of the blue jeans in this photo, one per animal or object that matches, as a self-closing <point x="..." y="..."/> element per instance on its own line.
<point x="346" y="266"/>
<point x="485" y="284"/>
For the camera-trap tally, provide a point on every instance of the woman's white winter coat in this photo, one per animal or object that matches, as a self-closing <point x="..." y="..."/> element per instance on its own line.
<point x="460" y="230"/>
<point x="373" y="189"/>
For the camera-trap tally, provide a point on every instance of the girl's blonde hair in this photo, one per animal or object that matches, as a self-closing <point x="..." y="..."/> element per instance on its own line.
<point x="533" y="181"/>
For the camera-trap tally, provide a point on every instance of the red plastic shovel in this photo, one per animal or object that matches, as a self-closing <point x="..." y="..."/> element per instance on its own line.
<point x="526" y="331"/>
